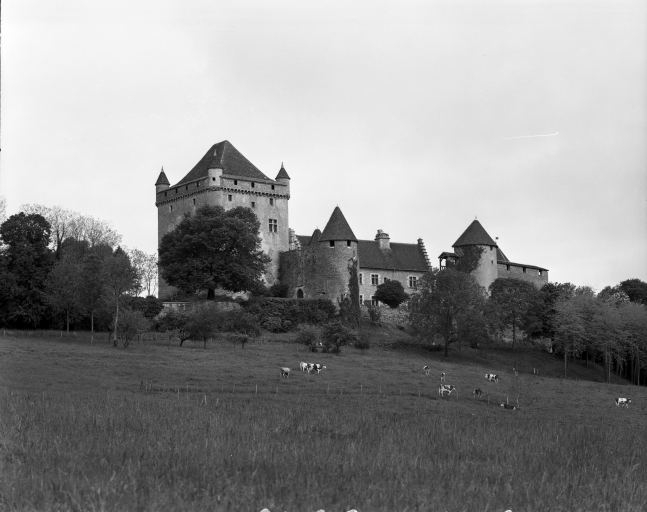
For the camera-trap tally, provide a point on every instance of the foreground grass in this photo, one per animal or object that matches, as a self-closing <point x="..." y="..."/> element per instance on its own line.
<point x="221" y="431"/>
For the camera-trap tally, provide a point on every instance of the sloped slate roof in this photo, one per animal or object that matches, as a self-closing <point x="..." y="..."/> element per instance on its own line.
<point x="226" y="157"/>
<point x="475" y="234"/>
<point x="283" y="174"/>
<point x="500" y="256"/>
<point x="399" y="257"/>
<point x="337" y="228"/>
<point x="162" y="179"/>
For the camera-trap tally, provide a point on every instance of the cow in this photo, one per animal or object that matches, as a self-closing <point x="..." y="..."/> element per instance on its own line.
<point x="285" y="372"/>
<point x="445" y="389"/>
<point x="303" y="366"/>
<point x="477" y="393"/>
<point x="623" y="402"/>
<point x="491" y="377"/>
<point x="426" y="369"/>
<point x="318" y="367"/>
<point x="442" y="376"/>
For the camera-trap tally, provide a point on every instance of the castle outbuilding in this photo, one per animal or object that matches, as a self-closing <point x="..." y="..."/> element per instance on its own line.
<point x="492" y="264"/>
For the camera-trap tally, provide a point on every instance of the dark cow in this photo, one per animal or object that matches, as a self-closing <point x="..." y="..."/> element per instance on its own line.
<point x="477" y="393"/>
<point x="623" y="402"/>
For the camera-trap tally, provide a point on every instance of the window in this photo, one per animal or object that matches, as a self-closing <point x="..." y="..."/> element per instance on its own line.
<point x="186" y="188"/>
<point x="176" y="191"/>
<point x="214" y="179"/>
<point x="347" y="243"/>
<point x="235" y="182"/>
<point x="374" y="301"/>
<point x="229" y="197"/>
<point x="375" y="279"/>
<point x="539" y="272"/>
<point x="332" y="243"/>
<point x="413" y="282"/>
<point x="194" y="202"/>
<point x="361" y="278"/>
<point x="507" y="267"/>
<point x="253" y="184"/>
<point x="171" y="208"/>
<point x="253" y="204"/>
<point x="273" y="225"/>
<point x="524" y="270"/>
<point x="361" y="299"/>
<point x="272" y="187"/>
<point x="271" y="201"/>
<point x="164" y="194"/>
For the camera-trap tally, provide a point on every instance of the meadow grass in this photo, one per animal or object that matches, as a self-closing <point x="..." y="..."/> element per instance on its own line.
<point x="218" y="429"/>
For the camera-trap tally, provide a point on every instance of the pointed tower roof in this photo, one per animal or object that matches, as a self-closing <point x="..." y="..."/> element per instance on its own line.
<point x="283" y="174"/>
<point x="337" y="228"/>
<point x="226" y="157"/>
<point x="475" y="234"/>
<point x="162" y="179"/>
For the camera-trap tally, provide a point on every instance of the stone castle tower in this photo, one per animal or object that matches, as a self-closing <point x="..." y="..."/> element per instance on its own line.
<point x="224" y="177"/>
<point x="493" y="264"/>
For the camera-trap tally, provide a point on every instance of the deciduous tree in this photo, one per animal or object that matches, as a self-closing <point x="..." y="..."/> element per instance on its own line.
<point x="213" y="248"/>
<point x="391" y="293"/>
<point x="119" y="278"/>
<point x="510" y="300"/>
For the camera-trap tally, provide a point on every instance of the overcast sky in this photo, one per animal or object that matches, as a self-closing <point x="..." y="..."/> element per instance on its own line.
<point x="412" y="116"/>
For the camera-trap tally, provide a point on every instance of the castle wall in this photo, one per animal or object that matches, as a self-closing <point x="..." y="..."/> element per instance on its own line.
<point x="524" y="273"/>
<point x="367" y="289"/>
<point x="486" y="272"/>
<point x="268" y="200"/>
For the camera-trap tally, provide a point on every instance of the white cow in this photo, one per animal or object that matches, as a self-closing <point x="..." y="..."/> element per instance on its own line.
<point x="492" y="377"/>
<point x="623" y="402"/>
<point x="303" y="366"/>
<point x="285" y="372"/>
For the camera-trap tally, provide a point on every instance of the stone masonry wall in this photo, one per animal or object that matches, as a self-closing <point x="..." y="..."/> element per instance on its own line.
<point x="531" y="275"/>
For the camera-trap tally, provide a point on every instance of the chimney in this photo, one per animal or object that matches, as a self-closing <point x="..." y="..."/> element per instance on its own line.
<point x="383" y="240"/>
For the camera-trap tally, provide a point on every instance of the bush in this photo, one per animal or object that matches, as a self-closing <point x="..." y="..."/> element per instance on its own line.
<point x="335" y="335"/>
<point x="131" y="324"/>
<point x="237" y="321"/>
<point x="309" y="336"/>
<point x="391" y="293"/>
<point x="291" y="312"/>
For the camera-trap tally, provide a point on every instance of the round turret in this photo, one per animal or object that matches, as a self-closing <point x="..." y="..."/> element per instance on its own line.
<point x="162" y="182"/>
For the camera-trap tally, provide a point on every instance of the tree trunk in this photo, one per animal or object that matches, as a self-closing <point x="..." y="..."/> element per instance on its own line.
<point x="114" y="334"/>
<point x="565" y="359"/>
<point x="67" y="320"/>
<point x="514" y="331"/>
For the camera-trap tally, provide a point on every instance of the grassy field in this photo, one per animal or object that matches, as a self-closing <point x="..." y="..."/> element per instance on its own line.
<point x="159" y="427"/>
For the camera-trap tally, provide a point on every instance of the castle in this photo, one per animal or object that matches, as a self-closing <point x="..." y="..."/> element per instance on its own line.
<point x="315" y="266"/>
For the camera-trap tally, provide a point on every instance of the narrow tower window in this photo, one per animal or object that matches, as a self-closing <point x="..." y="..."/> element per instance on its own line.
<point x="229" y="197"/>
<point x="271" y="201"/>
<point x="273" y="225"/>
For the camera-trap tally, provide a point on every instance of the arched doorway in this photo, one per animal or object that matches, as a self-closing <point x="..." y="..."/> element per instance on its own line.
<point x="299" y="293"/>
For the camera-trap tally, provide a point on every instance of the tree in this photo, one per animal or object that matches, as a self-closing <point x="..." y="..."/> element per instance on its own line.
<point x="62" y="289"/>
<point x="119" y="277"/>
<point x="91" y="286"/>
<point x="445" y="298"/>
<point x="570" y="333"/>
<point x="26" y="264"/>
<point x="391" y="293"/>
<point x="145" y="266"/>
<point x="635" y="289"/>
<point x="214" y="248"/>
<point x="613" y="295"/>
<point x="510" y="300"/>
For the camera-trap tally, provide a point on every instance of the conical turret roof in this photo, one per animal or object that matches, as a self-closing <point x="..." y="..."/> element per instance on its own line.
<point x="337" y="228"/>
<point x="162" y="179"/>
<point x="475" y="234"/>
<point x="283" y="174"/>
<point x="226" y="157"/>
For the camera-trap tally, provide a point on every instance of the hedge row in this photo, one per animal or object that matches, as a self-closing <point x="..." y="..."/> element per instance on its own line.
<point x="281" y="315"/>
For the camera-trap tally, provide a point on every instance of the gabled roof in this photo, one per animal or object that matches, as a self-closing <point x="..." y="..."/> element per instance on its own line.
<point x="283" y="174"/>
<point x="398" y="257"/>
<point x="337" y="228"/>
<point x="226" y="157"/>
<point x="162" y="179"/>
<point x="475" y="234"/>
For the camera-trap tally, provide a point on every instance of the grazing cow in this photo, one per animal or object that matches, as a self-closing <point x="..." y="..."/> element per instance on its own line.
<point x="303" y="366"/>
<point x="442" y="376"/>
<point x="445" y="389"/>
<point x="310" y="367"/>
<point x="318" y="367"/>
<point x="426" y="369"/>
<point x="491" y="377"/>
<point x="477" y="393"/>
<point x="285" y="372"/>
<point x="509" y="406"/>
<point x="623" y="402"/>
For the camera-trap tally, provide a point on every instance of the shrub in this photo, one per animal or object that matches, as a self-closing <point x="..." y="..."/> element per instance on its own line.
<point x="294" y="311"/>
<point x="131" y="324"/>
<point x="335" y="335"/>
<point x="391" y="293"/>
<point x="237" y="321"/>
<point x="309" y="336"/>
<point x="374" y="314"/>
<point x="276" y="324"/>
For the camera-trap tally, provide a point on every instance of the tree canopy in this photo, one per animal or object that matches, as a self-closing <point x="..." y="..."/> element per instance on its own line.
<point x="510" y="301"/>
<point x="391" y="293"/>
<point x="214" y="249"/>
